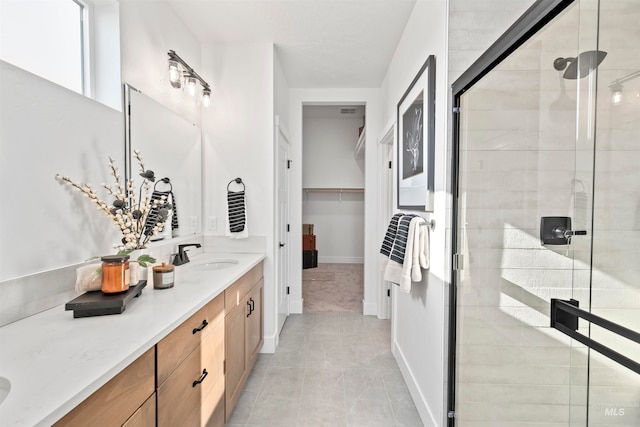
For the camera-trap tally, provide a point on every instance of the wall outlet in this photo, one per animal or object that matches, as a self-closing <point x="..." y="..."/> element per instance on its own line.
<point x="212" y="223"/>
<point x="193" y="223"/>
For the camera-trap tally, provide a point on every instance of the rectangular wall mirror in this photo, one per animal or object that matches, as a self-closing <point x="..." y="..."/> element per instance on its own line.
<point x="171" y="147"/>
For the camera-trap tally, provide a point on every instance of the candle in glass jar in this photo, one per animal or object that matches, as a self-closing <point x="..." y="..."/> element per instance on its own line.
<point x="115" y="273"/>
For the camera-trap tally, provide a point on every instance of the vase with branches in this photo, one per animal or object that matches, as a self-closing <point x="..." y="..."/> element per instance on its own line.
<point x="128" y="211"/>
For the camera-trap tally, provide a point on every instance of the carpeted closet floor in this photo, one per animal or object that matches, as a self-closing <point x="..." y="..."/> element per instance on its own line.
<point x="333" y="288"/>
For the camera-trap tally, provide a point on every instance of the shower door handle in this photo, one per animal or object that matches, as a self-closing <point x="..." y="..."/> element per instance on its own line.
<point x="564" y="317"/>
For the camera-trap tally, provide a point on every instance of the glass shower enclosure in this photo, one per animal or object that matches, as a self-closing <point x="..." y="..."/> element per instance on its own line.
<point x="546" y="217"/>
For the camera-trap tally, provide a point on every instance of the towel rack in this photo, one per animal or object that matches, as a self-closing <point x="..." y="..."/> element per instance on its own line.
<point x="237" y="181"/>
<point x="431" y="223"/>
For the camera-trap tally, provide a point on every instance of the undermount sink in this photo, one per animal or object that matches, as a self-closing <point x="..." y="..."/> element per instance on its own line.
<point x="215" y="265"/>
<point x="5" y="388"/>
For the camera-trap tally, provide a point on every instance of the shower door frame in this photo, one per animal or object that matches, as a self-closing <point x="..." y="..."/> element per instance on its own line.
<point x="534" y="19"/>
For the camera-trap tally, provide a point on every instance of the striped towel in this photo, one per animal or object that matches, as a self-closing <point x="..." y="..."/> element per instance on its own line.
<point x="390" y="236"/>
<point x="236" y="211"/>
<point x="400" y="244"/>
<point x="152" y="218"/>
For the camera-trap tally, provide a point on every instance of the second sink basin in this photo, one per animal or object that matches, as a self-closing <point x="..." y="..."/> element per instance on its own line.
<point x="215" y="265"/>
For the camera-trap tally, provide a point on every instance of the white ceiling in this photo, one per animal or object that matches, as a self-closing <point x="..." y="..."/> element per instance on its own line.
<point x="320" y="43"/>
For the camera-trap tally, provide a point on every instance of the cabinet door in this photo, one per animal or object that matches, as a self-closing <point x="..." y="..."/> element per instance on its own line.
<point x="235" y="354"/>
<point x="254" y="324"/>
<point x="212" y="405"/>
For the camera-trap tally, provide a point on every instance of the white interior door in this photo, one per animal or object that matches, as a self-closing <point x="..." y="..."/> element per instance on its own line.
<point x="282" y="215"/>
<point x="386" y="212"/>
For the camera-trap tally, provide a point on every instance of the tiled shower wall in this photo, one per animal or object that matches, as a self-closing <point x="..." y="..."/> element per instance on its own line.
<point x="520" y="161"/>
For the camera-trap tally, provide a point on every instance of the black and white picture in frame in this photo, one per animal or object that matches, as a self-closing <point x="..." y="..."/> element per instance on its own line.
<point x="416" y="141"/>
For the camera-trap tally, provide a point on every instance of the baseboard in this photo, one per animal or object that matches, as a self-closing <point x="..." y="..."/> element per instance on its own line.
<point x="419" y="400"/>
<point x="369" y="308"/>
<point x="340" y="260"/>
<point x="295" y="307"/>
<point x="270" y="343"/>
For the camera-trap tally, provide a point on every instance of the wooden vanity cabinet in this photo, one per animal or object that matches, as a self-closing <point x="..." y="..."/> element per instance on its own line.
<point x="243" y="332"/>
<point x="119" y="399"/>
<point x="193" y="376"/>
<point x="191" y="370"/>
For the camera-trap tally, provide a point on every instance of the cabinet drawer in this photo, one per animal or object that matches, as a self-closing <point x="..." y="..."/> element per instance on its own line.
<point x="118" y="399"/>
<point x="185" y="338"/>
<point x="182" y="401"/>
<point x="145" y="416"/>
<point x="234" y="293"/>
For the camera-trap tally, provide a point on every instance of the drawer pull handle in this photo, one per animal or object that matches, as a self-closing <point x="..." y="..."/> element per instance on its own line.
<point x="198" y="381"/>
<point x="253" y="304"/>
<point x="204" y="325"/>
<point x="250" y="309"/>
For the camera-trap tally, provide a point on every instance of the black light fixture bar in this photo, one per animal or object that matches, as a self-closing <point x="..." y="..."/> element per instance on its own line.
<point x="564" y="317"/>
<point x="173" y="56"/>
<point x="624" y="79"/>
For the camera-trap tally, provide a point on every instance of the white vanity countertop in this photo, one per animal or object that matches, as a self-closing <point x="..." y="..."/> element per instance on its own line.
<point x="54" y="361"/>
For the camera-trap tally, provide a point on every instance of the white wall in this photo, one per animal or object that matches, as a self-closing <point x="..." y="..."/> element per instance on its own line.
<point x="327" y="153"/>
<point x="419" y="318"/>
<point x="238" y="131"/>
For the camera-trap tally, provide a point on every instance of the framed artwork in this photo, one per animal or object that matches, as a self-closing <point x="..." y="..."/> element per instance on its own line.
<point x="416" y="141"/>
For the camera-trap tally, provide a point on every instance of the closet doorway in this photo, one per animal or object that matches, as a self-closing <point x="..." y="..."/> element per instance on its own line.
<point x="333" y="177"/>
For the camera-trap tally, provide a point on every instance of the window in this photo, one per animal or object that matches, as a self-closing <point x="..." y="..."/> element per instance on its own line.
<point x="47" y="38"/>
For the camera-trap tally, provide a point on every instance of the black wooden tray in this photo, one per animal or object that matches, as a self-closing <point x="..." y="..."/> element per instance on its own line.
<point x="99" y="304"/>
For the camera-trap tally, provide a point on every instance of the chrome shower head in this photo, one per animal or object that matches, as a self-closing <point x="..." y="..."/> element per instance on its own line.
<point x="581" y="66"/>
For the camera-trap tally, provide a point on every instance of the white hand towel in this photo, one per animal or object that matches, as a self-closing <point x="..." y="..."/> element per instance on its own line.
<point x="425" y="237"/>
<point x="411" y="256"/>
<point x="393" y="272"/>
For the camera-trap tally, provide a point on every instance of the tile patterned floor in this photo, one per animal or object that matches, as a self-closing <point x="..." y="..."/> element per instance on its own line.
<point x="330" y="369"/>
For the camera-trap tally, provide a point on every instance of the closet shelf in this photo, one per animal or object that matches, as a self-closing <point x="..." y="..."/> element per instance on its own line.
<point x="334" y="190"/>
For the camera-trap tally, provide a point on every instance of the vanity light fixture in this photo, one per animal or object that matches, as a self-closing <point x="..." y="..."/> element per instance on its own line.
<point x="181" y="73"/>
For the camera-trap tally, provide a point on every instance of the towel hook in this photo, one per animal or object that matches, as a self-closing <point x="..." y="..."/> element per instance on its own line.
<point x="237" y="181"/>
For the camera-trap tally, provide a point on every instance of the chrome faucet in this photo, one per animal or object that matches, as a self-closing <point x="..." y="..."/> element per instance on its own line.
<point x="181" y="257"/>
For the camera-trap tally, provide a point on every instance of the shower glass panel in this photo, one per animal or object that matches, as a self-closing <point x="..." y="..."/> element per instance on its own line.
<point x="614" y="391"/>
<point x="538" y="139"/>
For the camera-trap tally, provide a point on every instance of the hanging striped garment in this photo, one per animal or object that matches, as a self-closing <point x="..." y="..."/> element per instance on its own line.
<point x="390" y="236"/>
<point x="237" y="211"/>
<point x="400" y="243"/>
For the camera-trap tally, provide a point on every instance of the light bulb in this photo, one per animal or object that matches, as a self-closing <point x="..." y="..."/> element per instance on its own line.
<point x="616" y="97"/>
<point x="191" y="86"/>
<point x="616" y="93"/>
<point x="206" y="97"/>
<point x="174" y="72"/>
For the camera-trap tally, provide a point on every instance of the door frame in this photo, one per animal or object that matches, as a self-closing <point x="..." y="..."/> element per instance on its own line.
<point x="282" y="248"/>
<point x="386" y="188"/>
<point x="534" y="19"/>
